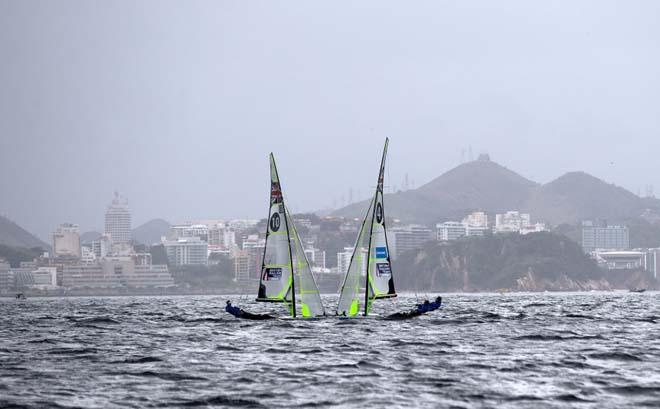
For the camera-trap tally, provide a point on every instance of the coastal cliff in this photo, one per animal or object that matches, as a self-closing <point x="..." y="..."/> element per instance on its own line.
<point x="534" y="262"/>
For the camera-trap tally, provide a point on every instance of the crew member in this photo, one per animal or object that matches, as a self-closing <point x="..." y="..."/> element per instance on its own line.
<point x="424" y="307"/>
<point x="435" y="304"/>
<point x="235" y="311"/>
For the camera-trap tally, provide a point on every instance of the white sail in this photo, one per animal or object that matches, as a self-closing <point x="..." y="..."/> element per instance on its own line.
<point x="380" y="268"/>
<point x="372" y="254"/>
<point x="276" y="278"/>
<point x="285" y="274"/>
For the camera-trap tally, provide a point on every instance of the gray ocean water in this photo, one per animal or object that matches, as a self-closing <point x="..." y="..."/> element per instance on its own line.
<point x="518" y="350"/>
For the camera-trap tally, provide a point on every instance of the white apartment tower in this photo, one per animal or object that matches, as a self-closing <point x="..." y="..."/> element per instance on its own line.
<point x="66" y="240"/>
<point x="118" y="220"/>
<point x="476" y="219"/>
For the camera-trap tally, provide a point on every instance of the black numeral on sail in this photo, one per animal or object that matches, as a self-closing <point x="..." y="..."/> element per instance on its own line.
<point x="379" y="213"/>
<point x="275" y="222"/>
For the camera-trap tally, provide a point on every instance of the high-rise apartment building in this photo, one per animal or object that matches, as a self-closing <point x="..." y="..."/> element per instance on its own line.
<point x="118" y="220"/>
<point x="4" y="275"/>
<point x="316" y="257"/>
<point x="448" y="231"/>
<point x="402" y="239"/>
<point x="476" y="219"/>
<point x="604" y="237"/>
<point x="190" y="230"/>
<point x="344" y="260"/>
<point x="186" y="251"/>
<point x="66" y="241"/>
<point x="511" y="222"/>
<point x="102" y="246"/>
<point x="222" y="237"/>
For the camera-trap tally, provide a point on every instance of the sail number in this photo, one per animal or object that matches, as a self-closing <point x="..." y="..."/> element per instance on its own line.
<point x="275" y="222"/>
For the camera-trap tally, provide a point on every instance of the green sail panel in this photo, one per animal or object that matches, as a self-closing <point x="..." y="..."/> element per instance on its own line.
<point x="276" y="271"/>
<point x="308" y="296"/>
<point x="351" y="302"/>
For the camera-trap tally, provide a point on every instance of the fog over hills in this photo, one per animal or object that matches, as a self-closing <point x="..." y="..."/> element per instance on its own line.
<point x="146" y="233"/>
<point x="14" y="235"/>
<point x="180" y="117"/>
<point x="89" y="236"/>
<point x="578" y="195"/>
<point x="151" y="231"/>
<point x="487" y="186"/>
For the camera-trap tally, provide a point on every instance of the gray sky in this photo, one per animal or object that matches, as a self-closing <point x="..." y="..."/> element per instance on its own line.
<point x="177" y="104"/>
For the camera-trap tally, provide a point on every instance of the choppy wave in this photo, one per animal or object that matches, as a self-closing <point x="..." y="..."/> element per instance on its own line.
<point x="512" y="350"/>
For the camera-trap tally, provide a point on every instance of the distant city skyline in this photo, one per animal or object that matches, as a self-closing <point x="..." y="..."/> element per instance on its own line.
<point x="180" y="117"/>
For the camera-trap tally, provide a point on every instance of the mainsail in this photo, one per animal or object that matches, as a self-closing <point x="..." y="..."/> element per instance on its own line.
<point x="370" y="269"/>
<point x="285" y="272"/>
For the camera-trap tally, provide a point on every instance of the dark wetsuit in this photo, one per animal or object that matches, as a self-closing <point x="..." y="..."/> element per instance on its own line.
<point x="235" y="311"/>
<point x="434" y="305"/>
<point x="424" y="308"/>
<point x="239" y="313"/>
<point x="415" y="312"/>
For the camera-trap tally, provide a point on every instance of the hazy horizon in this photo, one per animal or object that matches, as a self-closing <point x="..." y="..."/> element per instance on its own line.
<point x="178" y="107"/>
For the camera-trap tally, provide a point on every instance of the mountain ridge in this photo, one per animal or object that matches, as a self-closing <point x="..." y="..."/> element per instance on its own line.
<point x="13" y="235"/>
<point x="487" y="186"/>
<point x="150" y="232"/>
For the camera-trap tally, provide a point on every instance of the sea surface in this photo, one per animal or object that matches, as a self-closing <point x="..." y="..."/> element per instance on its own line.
<point x="582" y="350"/>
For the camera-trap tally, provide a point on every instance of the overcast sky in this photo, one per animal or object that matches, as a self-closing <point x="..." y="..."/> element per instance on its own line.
<point x="177" y="104"/>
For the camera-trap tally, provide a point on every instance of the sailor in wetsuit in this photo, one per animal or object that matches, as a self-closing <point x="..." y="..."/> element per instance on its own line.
<point x="424" y="307"/>
<point x="435" y="304"/>
<point x="235" y="311"/>
<point x="429" y="306"/>
<point x="419" y="309"/>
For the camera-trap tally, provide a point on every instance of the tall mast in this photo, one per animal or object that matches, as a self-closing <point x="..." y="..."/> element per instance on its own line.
<point x="288" y="240"/>
<point x="379" y="188"/>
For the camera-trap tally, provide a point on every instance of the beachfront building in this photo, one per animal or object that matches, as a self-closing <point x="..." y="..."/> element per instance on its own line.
<point x="4" y="275"/>
<point x="116" y="272"/>
<point x="44" y="278"/>
<point x="186" y="251"/>
<point x="66" y="241"/>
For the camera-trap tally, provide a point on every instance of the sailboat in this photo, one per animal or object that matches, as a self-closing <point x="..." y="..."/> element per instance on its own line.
<point x="369" y="276"/>
<point x="285" y="272"/>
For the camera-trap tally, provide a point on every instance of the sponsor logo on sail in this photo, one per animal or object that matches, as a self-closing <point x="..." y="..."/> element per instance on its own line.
<point x="383" y="270"/>
<point x="381" y="252"/>
<point x="272" y="274"/>
<point x="275" y="192"/>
